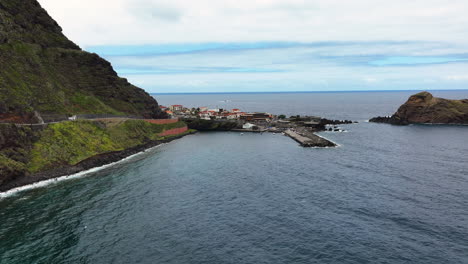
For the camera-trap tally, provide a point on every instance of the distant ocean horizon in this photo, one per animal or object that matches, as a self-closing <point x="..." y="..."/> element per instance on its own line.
<point x="350" y="105"/>
<point x="334" y="91"/>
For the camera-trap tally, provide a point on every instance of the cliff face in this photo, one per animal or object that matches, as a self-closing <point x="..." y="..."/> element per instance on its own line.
<point x="41" y="70"/>
<point x="424" y="108"/>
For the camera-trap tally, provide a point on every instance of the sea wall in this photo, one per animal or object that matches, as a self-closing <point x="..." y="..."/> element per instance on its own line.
<point x="174" y="131"/>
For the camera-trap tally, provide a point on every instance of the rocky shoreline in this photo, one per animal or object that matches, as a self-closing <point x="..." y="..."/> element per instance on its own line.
<point x="388" y="120"/>
<point x="92" y="162"/>
<point x="391" y="121"/>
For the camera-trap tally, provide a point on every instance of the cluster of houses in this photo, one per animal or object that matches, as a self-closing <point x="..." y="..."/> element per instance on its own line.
<point x="249" y="121"/>
<point x="214" y="114"/>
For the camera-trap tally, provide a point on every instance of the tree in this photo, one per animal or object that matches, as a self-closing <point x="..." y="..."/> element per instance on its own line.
<point x="281" y="116"/>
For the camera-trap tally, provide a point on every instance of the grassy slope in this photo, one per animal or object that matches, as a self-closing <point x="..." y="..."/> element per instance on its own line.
<point x="68" y="143"/>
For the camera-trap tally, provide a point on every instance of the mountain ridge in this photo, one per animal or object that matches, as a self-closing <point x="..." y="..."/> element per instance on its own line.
<point x="43" y="71"/>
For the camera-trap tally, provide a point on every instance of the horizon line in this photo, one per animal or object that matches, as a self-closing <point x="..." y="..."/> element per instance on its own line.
<point x="335" y="91"/>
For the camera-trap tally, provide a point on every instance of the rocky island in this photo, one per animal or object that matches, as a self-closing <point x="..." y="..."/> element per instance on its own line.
<point x="424" y="108"/>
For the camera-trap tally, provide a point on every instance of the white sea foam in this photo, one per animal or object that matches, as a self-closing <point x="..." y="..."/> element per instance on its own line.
<point x="69" y="177"/>
<point x="337" y="145"/>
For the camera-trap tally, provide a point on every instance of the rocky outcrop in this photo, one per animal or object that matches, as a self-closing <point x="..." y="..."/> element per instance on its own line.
<point x="423" y="108"/>
<point x="43" y="71"/>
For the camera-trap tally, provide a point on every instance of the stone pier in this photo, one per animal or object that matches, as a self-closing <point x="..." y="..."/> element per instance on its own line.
<point x="309" y="140"/>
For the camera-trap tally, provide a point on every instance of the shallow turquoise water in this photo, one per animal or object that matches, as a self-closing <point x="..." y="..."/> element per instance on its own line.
<point x="388" y="194"/>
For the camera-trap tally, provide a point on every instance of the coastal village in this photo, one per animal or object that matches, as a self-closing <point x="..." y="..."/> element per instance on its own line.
<point x="247" y="120"/>
<point x="300" y="128"/>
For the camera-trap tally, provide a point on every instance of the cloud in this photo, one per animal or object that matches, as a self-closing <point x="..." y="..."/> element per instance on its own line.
<point x="149" y="10"/>
<point x="274" y="45"/>
<point x="194" y="21"/>
<point x="370" y="80"/>
<point x="273" y="66"/>
<point x="457" y="77"/>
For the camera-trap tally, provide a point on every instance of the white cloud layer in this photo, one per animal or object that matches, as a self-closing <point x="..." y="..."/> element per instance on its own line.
<point x="274" y="45"/>
<point x="296" y="68"/>
<point x="105" y="22"/>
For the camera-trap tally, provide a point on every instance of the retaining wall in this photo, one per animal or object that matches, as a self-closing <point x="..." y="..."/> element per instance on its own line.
<point x="174" y="131"/>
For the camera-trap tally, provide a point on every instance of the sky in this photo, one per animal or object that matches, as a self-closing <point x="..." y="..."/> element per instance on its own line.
<point x="171" y="46"/>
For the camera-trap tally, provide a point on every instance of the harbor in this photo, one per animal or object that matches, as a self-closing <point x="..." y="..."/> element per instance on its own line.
<point x="302" y="129"/>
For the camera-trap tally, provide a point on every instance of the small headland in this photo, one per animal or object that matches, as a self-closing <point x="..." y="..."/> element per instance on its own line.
<point x="423" y="108"/>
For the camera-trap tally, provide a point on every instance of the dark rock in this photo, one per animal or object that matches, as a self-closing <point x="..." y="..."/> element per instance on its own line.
<point x="210" y="125"/>
<point x="423" y="108"/>
<point x="325" y="121"/>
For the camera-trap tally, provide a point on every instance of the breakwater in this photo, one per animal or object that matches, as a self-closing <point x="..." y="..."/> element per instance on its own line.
<point x="309" y="140"/>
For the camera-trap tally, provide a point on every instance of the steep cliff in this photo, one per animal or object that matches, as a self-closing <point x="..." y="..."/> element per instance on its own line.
<point x="41" y="70"/>
<point x="425" y="108"/>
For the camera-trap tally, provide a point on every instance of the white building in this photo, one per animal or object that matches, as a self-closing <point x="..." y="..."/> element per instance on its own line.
<point x="176" y="107"/>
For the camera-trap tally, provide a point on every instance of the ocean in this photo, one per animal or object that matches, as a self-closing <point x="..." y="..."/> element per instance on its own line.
<point x="387" y="194"/>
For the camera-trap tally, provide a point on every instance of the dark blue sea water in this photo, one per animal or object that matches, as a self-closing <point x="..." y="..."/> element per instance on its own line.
<point x="388" y="194"/>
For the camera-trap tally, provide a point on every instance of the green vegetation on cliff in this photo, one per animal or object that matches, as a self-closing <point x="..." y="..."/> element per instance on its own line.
<point x="25" y="150"/>
<point x="44" y="71"/>
<point x="10" y="168"/>
<point x="15" y="144"/>
<point x="68" y="143"/>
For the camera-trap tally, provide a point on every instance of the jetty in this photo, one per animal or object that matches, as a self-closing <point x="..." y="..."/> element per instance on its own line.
<point x="309" y="139"/>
